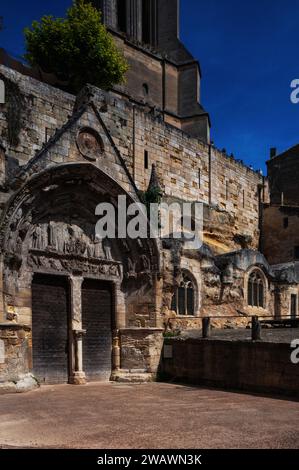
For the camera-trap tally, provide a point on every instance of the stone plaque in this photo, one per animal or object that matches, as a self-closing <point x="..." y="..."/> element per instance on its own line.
<point x="2" y="352"/>
<point x="89" y="143"/>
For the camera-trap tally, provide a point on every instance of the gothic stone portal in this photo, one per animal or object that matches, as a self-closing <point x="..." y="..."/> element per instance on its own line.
<point x="74" y="290"/>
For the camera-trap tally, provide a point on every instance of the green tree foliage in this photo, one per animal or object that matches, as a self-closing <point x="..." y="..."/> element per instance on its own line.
<point x="78" y="48"/>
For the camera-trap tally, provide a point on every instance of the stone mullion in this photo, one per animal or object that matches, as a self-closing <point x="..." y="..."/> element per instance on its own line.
<point x="119" y="323"/>
<point x="77" y="375"/>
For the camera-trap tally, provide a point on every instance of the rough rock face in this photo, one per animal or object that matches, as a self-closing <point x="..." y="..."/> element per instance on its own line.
<point x="15" y="359"/>
<point x="26" y="383"/>
<point x="15" y="348"/>
<point x="221" y="232"/>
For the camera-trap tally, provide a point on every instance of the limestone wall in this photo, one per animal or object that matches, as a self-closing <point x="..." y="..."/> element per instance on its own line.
<point x="280" y="233"/>
<point x="253" y="366"/>
<point x="141" y="349"/>
<point x="188" y="169"/>
<point x="221" y="288"/>
<point x="283" y="171"/>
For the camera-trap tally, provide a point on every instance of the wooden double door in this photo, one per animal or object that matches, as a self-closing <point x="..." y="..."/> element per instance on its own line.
<point x="51" y="329"/>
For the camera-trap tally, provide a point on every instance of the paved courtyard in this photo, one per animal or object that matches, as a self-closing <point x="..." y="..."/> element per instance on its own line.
<point x="153" y="415"/>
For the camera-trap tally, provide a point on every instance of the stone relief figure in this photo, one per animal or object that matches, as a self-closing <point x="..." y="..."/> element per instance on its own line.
<point x="37" y="238"/>
<point x="131" y="268"/>
<point x="90" y="250"/>
<point x="104" y="269"/>
<point x="98" y="249"/>
<point x="114" y="271"/>
<point x="125" y="246"/>
<point x="26" y="225"/>
<point x="61" y="237"/>
<point x="55" y="264"/>
<point x="66" y="239"/>
<point x="18" y="217"/>
<point x="10" y="242"/>
<point x="139" y="243"/>
<point x="75" y="244"/>
<point x="52" y="236"/>
<point x="19" y="245"/>
<point x="69" y="243"/>
<point x="82" y="245"/>
<point x="146" y="265"/>
<point x="107" y="249"/>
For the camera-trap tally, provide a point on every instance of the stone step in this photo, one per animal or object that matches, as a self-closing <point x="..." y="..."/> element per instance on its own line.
<point x="132" y="376"/>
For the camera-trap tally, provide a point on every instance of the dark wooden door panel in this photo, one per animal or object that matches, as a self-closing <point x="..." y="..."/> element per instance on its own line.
<point x="50" y="329"/>
<point x="97" y="343"/>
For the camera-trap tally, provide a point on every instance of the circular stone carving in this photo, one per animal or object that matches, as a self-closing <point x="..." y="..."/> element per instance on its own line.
<point x="89" y="143"/>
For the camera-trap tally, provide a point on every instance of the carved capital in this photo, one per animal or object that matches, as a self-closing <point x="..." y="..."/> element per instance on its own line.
<point x="78" y="334"/>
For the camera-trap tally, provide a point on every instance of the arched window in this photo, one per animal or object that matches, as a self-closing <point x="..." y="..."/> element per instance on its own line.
<point x="256" y="290"/>
<point x="183" y="300"/>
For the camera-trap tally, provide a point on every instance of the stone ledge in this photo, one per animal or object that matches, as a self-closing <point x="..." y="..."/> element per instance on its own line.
<point x="26" y="383"/>
<point x="142" y="330"/>
<point x="132" y="376"/>
<point x="14" y="326"/>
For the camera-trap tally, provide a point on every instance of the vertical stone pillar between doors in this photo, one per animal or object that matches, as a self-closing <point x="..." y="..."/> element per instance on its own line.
<point x="77" y="375"/>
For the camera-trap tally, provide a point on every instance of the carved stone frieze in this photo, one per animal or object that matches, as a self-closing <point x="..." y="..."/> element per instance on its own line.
<point x="50" y="261"/>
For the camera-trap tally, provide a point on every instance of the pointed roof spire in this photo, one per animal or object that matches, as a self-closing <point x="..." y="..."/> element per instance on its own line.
<point x="154" y="183"/>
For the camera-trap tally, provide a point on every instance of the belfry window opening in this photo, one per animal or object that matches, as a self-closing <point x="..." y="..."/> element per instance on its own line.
<point x="149" y="22"/>
<point x="122" y="15"/>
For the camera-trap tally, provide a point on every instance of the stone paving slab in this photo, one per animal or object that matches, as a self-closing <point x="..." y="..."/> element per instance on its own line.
<point x="155" y="415"/>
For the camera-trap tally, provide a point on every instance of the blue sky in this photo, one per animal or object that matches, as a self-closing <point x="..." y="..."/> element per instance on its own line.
<point x="248" y="53"/>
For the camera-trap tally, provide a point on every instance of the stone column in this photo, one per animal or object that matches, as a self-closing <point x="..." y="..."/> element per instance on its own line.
<point x="119" y="323"/>
<point x="77" y="375"/>
<point x="116" y="350"/>
<point x="120" y="307"/>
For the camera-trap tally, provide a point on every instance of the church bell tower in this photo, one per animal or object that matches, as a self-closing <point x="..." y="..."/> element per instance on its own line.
<point x="163" y="74"/>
